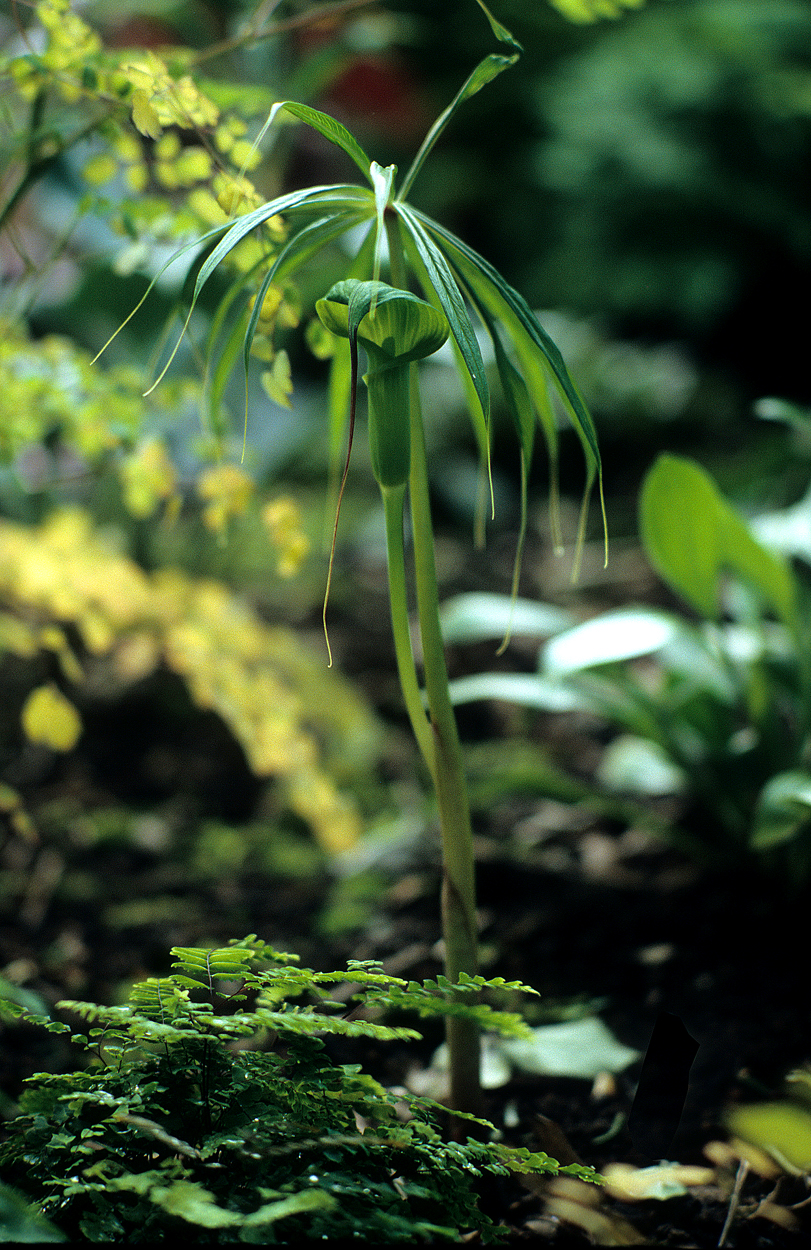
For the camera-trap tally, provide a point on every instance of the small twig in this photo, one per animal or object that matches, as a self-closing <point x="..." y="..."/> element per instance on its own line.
<point x="734" y="1201"/>
<point x="252" y="35"/>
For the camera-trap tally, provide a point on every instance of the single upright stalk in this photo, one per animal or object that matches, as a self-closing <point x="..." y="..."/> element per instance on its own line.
<point x="459" y="926"/>
<point x="397" y="329"/>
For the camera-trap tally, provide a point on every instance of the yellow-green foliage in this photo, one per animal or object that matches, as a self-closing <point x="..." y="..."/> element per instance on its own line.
<point x="295" y="720"/>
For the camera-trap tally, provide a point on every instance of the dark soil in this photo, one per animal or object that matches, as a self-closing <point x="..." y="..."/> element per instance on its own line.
<point x="581" y="906"/>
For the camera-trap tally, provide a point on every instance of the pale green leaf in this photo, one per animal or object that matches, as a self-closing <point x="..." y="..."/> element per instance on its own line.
<point x="48" y="717"/>
<point x="783" y="810"/>
<point x="296" y="1204"/>
<point x="474" y="617"/>
<point x="578" y="1048"/>
<point x="525" y="689"/>
<point x="194" y="1204"/>
<point x="639" y="766"/>
<point x="585" y="11"/>
<point x="611" y="638"/>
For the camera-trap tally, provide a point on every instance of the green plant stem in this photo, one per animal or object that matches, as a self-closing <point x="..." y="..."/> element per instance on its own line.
<point x="459" y="926"/>
<point x="393" y="503"/>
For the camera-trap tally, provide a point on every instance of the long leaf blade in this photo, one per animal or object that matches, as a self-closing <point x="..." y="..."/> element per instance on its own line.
<point x="450" y="297"/>
<point x="326" y="126"/>
<point x="485" y="72"/>
<point x="532" y="344"/>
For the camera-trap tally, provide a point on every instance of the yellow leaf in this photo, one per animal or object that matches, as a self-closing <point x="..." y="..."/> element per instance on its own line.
<point x="51" y="719"/>
<point x="144" y="116"/>
<point x="100" y="169"/>
<point x="277" y="382"/>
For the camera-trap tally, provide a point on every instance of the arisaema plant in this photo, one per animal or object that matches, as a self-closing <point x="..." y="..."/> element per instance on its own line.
<point x="458" y="290"/>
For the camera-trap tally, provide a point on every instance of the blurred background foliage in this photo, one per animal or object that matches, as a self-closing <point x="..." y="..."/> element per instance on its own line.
<point x="643" y="182"/>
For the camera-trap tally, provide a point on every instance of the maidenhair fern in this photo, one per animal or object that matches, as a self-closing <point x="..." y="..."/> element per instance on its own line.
<point x="210" y="1108"/>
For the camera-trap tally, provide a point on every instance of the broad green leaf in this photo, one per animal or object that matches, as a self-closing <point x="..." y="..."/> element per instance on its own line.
<point x="450" y="298"/>
<point x="326" y="126"/>
<point x="782" y="1129"/>
<point x="584" y="11"/>
<point x="783" y="810"/>
<point x="692" y="536"/>
<point x="485" y="72"/>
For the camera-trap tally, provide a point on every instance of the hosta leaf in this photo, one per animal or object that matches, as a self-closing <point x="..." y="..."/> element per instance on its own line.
<point x="579" y="1048"/>
<point x="692" y="536"/>
<point x="473" y="617"/>
<point x="611" y="638"/>
<point x="783" y="810"/>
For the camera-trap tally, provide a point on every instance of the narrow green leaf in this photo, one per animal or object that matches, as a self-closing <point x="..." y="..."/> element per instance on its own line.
<point x="501" y="33"/>
<point x="234" y="234"/>
<point x="537" y="355"/>
<point x="450" y="298"/>
<point x="474" y="406"/>
<point x="338" y="196"/>
<point x="692" y="536"/>
<point x="303" y="245"/>
<point x="485" y="72"/>
<point x="326" y="126"/>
